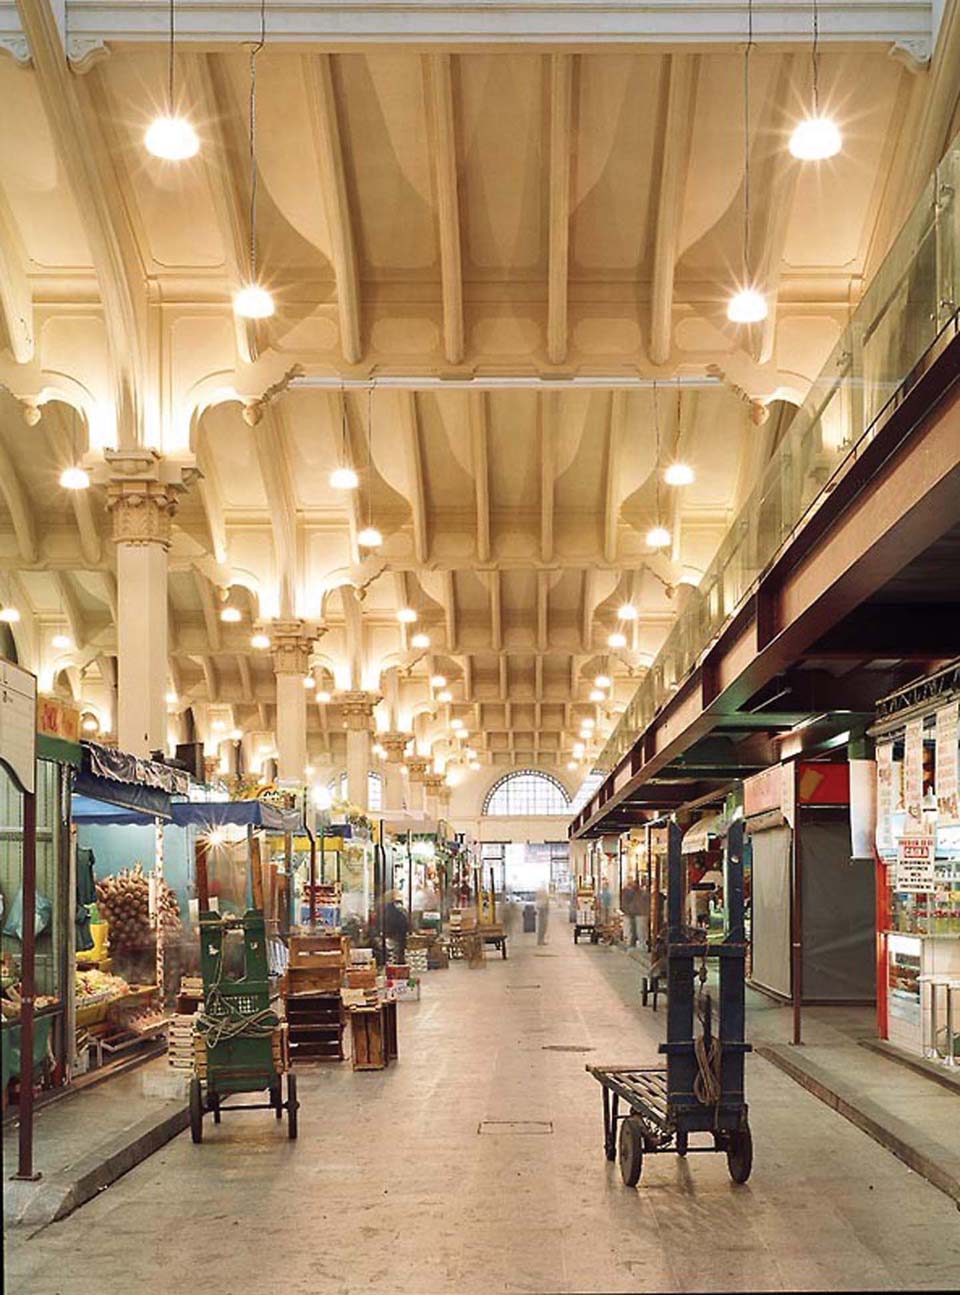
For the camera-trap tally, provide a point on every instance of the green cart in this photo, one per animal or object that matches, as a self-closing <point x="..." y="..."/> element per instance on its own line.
<point x="240" y="1031"/>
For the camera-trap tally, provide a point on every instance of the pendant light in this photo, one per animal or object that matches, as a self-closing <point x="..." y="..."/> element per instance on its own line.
<point x="171" y="137"/>
<point x="253" y="301"/>
<point x="816" y="137"/>
<point x="747" y="305"/>
<point x="74" y="477"/>
<point x="369" y="537"/>
<point x="658" y="537"/>
<point x="344" y="477"/>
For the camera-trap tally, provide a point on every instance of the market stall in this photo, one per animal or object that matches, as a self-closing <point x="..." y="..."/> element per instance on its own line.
<point x="918" y="870"/>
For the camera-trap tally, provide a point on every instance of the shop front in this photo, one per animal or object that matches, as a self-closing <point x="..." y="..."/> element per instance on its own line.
<point x="918" y="867"/>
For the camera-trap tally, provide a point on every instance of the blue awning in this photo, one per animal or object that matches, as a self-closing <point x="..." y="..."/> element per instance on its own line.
<point x="142" y="802"/>
<point x="85" y="810"/>
<point x="235" y="813"/>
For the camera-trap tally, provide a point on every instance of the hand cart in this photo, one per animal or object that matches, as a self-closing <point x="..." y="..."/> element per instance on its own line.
<point x="700" y="1090"/>
<point x="243" y="1041"/>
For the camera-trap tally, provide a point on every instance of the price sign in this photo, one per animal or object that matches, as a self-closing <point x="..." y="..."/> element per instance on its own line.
<point x="915" y="870"/>
<point x="18" y="723"/>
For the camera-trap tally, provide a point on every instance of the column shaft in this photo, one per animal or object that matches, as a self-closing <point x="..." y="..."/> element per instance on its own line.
<point x="141" y="647"/>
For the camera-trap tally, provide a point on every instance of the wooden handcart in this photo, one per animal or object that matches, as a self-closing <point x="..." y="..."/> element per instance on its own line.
<point x="243" y="1043"/>
<point x="700" y="1090"/>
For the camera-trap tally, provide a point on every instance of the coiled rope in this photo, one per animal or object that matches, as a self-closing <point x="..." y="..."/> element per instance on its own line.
<point x="708" y="1086"/>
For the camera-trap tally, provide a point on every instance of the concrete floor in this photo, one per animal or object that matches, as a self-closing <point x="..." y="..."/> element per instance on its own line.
<point x="391" y="1187"/>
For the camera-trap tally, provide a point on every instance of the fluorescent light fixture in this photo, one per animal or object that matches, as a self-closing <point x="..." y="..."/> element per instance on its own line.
<point x="172" y="139"/>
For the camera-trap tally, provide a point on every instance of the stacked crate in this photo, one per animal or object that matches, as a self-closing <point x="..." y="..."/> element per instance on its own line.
<point x="311" y="990"/>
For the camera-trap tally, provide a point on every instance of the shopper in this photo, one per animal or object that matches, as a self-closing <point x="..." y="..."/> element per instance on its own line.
<point x="396" y="926"/>
<point x="630" y="901"/>
<point x="543" y="914"/>
<point x="606" y="903"/>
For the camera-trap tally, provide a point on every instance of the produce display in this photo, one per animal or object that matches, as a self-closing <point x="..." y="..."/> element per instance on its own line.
<point x="96" y="986"/>
<point x="124" y="900"/>
<point x="10" y="1002"/>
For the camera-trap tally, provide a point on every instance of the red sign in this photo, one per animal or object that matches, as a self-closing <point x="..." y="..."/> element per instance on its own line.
<point x="819" y="783"/>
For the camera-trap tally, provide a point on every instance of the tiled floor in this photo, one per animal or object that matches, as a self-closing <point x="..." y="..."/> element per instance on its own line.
<point x="391" y="1188"/>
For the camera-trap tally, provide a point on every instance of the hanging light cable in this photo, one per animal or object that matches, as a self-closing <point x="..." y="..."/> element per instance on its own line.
<point x="816" y="137"/>
<point x="658" y="537"/>
<point x="747" y="305"/>
<point x="343" y="477"/>
<point x="370" y="537"/>
<point x="253" y="301"/>
<point x="171" y="137"/>
<point x="74" y="476"/>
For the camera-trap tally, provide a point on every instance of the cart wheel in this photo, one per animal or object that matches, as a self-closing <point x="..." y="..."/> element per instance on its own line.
<point x="292" y="1106"/>
<point x="631" y="1151"/>
<point x="740" y="1154"/>
<point x="681" y="1144"/>
<point x="196" y="1110"/>
<point x="276" y="1100"/>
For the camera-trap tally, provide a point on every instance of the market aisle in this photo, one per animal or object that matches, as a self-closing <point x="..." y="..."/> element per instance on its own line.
<point x="392" y="1189"/>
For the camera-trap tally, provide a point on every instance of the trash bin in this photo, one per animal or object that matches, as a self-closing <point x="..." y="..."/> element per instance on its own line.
<point x="529" y="919"/>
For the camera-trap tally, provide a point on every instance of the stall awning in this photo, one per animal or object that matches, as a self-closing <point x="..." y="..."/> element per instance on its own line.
<point x="120" y="766"/>
<point x="140" y="802"/>
<point x="88" y="810"/>
<point x="236" y="813"/>
<point x="695" y="837"/>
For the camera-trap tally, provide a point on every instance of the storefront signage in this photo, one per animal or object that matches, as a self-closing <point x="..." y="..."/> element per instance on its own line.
<point x="56" y="718"/>
<point x="913" y="774"/>
<point x="948" y="809"/>
<point x="764" y="791"/>
<point x="885" y="771"/>
<point x="18" y="721"/>
<point x="822" y="783"/>
<point x="915" y="870"/>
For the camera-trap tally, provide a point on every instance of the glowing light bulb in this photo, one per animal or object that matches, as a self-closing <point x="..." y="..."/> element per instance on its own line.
<point x="420" y="641"/>
<point x="91" y="724"/>
<point x="474" y="765"/>
<point x="322" y="798"/>
<point x="344" y="479"/>
<point x="172" y="139"/>
<point x="9" y="615"/>
<point x="747" y="307"/>
<point x="445" y="696"/>
<point x="230" y="615"/>
<point x="602" y="681"/>
<point x="438" y="681"/>
<point x="370" y="538"/>
<point x="253" y="302"/>
<point x="237" y="734"/>
<point x="627" y="612"/>
<point x="323" y="696"/>
<point x="597" y="695"/>
<point x="309" y="681"/>
<point x="578" y="749"/>
<point x="218" y="726"/>
<point x="572" y="765"/>
<point x="75" y="478"/>
<point x="309" y="770"/>
<point x="588" y="723"/>
<point x="406" y="615"/>
<point x="616" y="640"/>
<point x="171" y="698"/>
<point x="815" y="139"/>
<point x="679" y="474"/>
<point x="658" y="537"/>
<point x="456" y="723"/>
<point x="62" y="642"/>
<point x="259" y="641"/>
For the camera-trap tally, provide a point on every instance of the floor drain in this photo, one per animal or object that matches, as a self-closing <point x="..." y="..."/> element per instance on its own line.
<point x="523" y="986"/>
<point x="565" y="1047"/>
<point x="516" y="1128"/>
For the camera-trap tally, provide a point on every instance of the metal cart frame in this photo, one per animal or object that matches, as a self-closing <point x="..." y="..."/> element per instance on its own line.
<point x="243" y="1060"/>
<point x="663" y="1109"/>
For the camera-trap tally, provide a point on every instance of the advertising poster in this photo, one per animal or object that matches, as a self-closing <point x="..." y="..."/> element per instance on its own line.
<point x="948" y="811"/>
<point x="915" y="869"/>
<point x="913" y="775"/>
<point x="885" y="805"/>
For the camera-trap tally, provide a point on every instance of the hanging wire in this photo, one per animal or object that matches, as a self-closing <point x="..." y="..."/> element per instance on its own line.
<point x="746" y="145"/>
<point x="656" y="426"/>
<point x="253" y="139"/>
<point x="816" y="58"/>
<point x="370" y="454"/>
<point x="170" y="108"/>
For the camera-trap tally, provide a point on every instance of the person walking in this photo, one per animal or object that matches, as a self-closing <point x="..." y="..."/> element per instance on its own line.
<point x="396" y="926"/>
<point x="630" y="904"/>
<point x="543" y="914"/>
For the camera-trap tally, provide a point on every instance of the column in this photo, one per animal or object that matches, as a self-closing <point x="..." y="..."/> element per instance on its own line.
<point x="357" y="707"/>
<point x="142" y="496"/>
<point x="432" y="784"/>
<point x="292" y="643"/>
<point x="393" y="789"/>
<point x="416" y="771"/>
<point x="443" y="800"/>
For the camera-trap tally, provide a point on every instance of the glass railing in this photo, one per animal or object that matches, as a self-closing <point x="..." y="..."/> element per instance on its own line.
<point x="909" y="306"/>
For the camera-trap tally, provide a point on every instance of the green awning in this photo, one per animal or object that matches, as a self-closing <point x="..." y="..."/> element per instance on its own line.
<point x="59" y="750"/>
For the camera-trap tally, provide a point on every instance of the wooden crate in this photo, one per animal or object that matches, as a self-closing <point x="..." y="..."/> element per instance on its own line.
<point x="369" y="1045"/>
<point x="361" y="978"/>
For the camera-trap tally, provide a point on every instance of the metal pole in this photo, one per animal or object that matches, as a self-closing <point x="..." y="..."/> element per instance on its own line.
<point x="25" y="1170"/>
<point x="312" y="878"/>
<point x="409" y="876"/>
<point x="201" y="850"/>
<point x="797" y="937"/>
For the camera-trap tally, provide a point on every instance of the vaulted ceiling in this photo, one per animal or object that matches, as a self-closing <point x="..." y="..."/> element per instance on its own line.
<point x="570" y="220"/>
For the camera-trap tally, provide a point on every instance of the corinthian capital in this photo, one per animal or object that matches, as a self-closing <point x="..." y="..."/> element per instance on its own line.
<point x="292" y="642"/>
<point x="357" y="707"/>
<point x="143" y="493"/>
<point x="394" y="744"/>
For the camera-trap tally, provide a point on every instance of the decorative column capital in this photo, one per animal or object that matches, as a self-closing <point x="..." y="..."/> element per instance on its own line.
<point x="432" y="783"/>
<point x="394" y="744"/>
<point x="417" y="767"/>
<point x="291" y="643"/>
<point x="143" y="493"/>
<point x="358" y="707"/>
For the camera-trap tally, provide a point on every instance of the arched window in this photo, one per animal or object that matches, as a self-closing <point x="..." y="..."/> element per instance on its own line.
<point x="528" y="791"/>
<point x="338" y="789"/>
